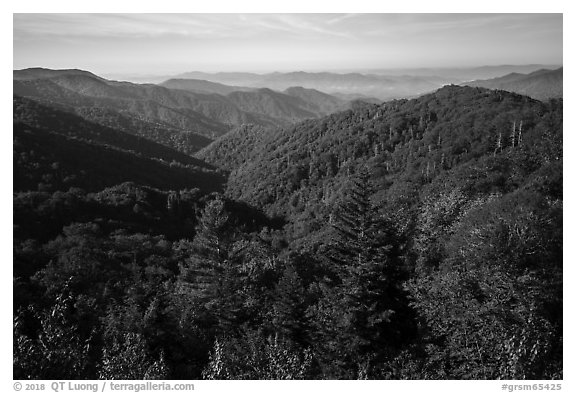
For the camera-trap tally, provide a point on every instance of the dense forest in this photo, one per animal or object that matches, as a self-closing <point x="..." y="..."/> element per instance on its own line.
<point x="413" y="239"/>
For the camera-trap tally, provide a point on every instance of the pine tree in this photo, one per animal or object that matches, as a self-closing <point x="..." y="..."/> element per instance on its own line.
<point x="370" y="274"/>
<point x="352" y="223"/>
<point x="211" y="232"/>
<point x="205" y="268"/>
<point x="213" y="272"/>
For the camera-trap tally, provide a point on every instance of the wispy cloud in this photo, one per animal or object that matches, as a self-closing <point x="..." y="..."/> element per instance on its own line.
<point x="339" y="18"/>
<point x="287" y="41"/>
<point x="184" y="25"/>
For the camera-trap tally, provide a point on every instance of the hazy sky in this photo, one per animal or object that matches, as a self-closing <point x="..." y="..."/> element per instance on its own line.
<point x="173" y="43"/>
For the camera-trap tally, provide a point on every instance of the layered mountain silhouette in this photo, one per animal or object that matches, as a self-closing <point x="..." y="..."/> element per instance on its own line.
<point x="465" y="73"/>
<point x="542" y="84"/>
<point x="182" y="114"/>
<point x="370" y="85"/>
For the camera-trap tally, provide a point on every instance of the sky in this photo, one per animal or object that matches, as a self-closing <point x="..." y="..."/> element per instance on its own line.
<point x="154" y="44"/>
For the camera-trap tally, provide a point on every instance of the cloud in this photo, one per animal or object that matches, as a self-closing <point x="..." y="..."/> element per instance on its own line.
<point x="182" y="25"/>
<point x="342" y="17"/>
<point x="114" y="25"/>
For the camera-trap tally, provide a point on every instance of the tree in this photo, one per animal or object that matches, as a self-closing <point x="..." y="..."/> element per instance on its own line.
<point x="204" y="267"/>
<point x="289" y="309"/>
<point x="353" y="224"/>
<point x="213" y="229"/>
<point x="373" y="303"/>
<point x="211" y="271"/>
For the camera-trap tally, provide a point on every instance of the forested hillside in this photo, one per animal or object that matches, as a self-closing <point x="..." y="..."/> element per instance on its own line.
<point x="55" y="150"/>
<point x="271" y="103"/>
<point x="409" y="142"/>
<point x="318" y="101"/>
<point x="32" y="113"/>
<point x="414" y="239"/>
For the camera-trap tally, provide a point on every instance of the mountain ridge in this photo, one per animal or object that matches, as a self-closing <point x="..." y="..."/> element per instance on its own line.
<point x="202" y="86"/>
<point x="541" y="84"/>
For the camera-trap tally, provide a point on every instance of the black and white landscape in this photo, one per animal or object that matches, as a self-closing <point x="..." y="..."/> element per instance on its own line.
<point x="287" y="196"/>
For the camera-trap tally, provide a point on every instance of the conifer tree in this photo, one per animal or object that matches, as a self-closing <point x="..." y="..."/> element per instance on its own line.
<point x="372" y="296"/>
<point x="214" y="274"/>
<point x="205" y="268"/>
<point x="352" y="225"/>
<point x="212" y="230"/>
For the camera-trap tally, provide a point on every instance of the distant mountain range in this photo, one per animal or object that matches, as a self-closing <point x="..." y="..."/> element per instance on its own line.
<point x="266" y="101"/>
<point x="182" y="114"/>
<point x="542" y="84"/>
<point x="461" y="74"/>
<point x="465" y="73"/>
<point x="379" y="86"/>
<point x="382" y="84"/>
